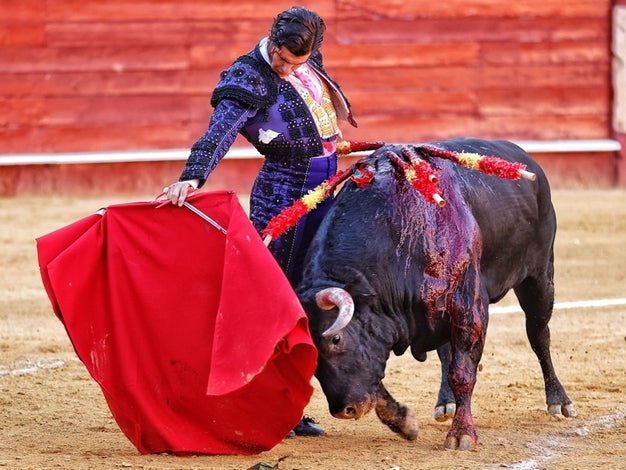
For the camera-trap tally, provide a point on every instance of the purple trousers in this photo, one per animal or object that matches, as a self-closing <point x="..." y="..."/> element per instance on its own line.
<point x="278" y="185"/>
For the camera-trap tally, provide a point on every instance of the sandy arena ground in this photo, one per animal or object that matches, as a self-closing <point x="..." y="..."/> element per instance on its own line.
<point x="52" y="414"/>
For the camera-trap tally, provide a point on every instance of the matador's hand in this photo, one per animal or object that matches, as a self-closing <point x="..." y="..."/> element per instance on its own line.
<point x="178" y="192"/>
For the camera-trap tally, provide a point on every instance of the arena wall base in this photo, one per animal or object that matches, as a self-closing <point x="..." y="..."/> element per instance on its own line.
<point x="589" y="164"/>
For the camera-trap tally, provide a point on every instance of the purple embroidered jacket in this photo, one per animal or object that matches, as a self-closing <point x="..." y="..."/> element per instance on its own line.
<point x="251" y="99"/>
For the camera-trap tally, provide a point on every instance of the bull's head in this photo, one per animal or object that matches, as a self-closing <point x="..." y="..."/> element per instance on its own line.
<point x="352" y="352"/>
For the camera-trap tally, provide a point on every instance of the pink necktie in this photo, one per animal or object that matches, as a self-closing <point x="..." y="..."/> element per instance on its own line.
<point x="309" y="85"/>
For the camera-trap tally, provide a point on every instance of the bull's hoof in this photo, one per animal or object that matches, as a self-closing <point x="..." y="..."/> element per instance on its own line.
<point x="406" y="426"/>
<point x="444" y="413"/>
<point x="410" y="428"/>
<point x="396" y="416"/>
<point x="465" y="442"/>
<point x="569" y="410"/>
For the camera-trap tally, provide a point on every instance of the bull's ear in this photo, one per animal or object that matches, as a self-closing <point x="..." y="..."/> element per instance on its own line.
<point x="359" y="286"/>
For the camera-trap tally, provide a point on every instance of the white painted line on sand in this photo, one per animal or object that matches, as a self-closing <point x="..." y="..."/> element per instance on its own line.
<point x="31" y="367"/>
<point x="597" y="303"/>
<point x="548" y="451"/>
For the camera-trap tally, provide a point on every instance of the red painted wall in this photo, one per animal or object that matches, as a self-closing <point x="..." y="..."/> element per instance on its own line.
<point x="85" y="75"/>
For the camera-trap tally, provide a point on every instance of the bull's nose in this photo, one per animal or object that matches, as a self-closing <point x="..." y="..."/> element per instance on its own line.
<point x="349" y="412"/>
<point x="352" y="409"/>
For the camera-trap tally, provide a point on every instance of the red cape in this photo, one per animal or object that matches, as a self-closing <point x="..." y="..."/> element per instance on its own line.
<point x="196" y="338"/>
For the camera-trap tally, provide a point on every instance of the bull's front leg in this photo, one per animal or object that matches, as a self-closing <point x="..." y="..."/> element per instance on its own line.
<point x="395" y="415"/>
<point x="467" y="342"/>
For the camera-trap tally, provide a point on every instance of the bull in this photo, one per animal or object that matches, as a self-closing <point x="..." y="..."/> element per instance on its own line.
<point x="388" y="271"/>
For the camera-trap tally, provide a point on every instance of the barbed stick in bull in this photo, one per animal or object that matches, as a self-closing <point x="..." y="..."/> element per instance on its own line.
<point x="289" y="216"/>
<point x="488" y="164"/>
<point x="419" y="173"/>
<point x="416" y="170"/>
<point x="346" y="147"/>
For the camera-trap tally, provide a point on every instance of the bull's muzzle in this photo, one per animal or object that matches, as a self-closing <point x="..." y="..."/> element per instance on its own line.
<point x="355" y="410"/>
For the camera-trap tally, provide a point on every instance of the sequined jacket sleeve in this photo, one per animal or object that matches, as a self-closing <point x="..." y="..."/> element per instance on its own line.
<point x="229" y="116"/>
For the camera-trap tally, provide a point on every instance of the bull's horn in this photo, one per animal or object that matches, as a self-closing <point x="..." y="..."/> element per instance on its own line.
<point x="336" y="297"/>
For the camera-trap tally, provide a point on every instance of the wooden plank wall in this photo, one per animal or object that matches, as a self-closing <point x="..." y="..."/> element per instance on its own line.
<point x="80" y="75"/>
<point x="85" y="75"/>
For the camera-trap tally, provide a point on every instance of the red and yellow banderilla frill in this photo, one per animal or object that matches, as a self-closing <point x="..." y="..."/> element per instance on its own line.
<point x="290" y="216"/>
<point x="488" y="164"/>
<point x="417" y="172"/>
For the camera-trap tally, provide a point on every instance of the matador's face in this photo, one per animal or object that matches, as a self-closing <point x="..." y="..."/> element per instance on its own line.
<point x="283" y="62"/>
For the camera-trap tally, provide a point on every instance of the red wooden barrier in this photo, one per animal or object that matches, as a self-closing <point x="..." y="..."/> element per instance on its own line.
<point x="87" y="75"/>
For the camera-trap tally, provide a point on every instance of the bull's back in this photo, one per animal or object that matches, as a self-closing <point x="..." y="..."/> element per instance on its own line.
<point x="515" y="218"/>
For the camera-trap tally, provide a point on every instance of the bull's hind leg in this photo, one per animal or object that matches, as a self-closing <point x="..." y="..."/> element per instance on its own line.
<point x="536" y="297"/>
<point x="395" y="415"/>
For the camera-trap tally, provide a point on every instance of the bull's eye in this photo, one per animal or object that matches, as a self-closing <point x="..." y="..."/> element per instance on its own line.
<point x="336" y="339"/>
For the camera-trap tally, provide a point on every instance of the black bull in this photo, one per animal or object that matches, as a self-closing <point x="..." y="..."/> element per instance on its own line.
<point x="423" y="276"/>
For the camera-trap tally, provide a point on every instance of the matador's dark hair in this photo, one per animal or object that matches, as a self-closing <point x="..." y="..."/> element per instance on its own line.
<point x="300" y="30"/>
